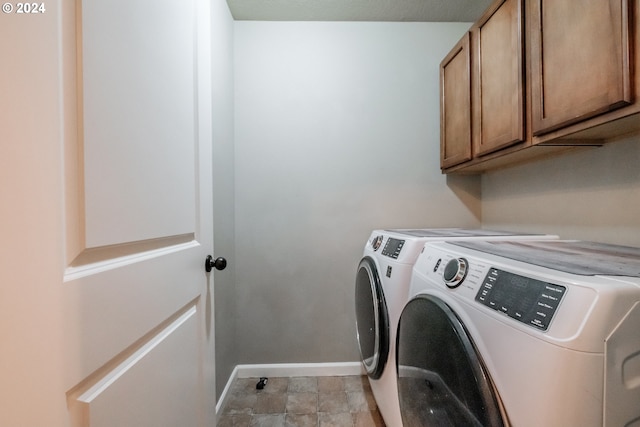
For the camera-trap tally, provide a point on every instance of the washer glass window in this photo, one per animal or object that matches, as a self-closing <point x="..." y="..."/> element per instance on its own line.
<point x="441" y="378"/>
<point x="372" y="318"/>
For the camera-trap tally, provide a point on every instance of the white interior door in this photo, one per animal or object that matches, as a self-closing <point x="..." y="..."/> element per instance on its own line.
<point x="118" y="323"/>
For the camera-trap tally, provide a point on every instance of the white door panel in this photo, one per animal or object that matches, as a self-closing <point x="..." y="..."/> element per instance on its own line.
<point x="109" y="324"/>
<point x="108" y="311"/>
<point x="138" y="119"/>
<point x="136" y="290"/>
<point x="151" y="387"/>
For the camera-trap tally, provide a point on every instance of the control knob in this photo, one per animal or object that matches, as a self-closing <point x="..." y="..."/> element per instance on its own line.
<point x="455" y="271"/>
<point x="376" y="242"/>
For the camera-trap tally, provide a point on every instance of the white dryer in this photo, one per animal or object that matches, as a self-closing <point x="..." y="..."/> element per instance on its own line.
<point x="382" y="290"/>
<point x="523" y="334"/>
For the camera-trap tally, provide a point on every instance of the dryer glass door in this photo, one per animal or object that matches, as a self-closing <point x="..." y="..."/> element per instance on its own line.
<point x="372" y="318"/>
<point x="441" y="378"/>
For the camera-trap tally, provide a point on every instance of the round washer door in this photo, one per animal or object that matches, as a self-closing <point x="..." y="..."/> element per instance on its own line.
<point x="372" y="318"/>
<point x="441" y="378"/>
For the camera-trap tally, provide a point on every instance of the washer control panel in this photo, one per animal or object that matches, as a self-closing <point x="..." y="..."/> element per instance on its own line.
<point x="527" y="300"/>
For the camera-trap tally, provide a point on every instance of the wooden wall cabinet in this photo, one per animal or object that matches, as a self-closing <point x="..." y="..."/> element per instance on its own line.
<point x="580" y="56"/>
<point x="455" y="112"/>
<point x="484" y="111"/>
<point x="498" y="78"/>
<point x="547" y="75"/>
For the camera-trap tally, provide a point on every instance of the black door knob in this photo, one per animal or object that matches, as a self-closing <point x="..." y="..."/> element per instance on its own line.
<point x="219" y="263"/>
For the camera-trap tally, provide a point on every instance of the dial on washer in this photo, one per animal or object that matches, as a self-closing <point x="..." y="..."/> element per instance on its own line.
<point x="455" y="271"/>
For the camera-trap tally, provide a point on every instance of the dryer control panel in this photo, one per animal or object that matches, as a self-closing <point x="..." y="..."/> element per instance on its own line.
<point x="527" y="300"/>
<point x="393" y="247"/>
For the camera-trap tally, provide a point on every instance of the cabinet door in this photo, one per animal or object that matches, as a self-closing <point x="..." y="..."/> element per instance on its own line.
<point x="498" y="78"/>
<point x="580" y="60"/>
<point x="455" y="113"/>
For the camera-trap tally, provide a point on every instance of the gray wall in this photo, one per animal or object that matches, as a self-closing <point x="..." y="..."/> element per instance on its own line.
<point x="336" y="133"/>
<point x="223" y="189"/>
<point x="592" y="194"/>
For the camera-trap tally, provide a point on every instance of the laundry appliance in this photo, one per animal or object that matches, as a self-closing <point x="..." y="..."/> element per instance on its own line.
<point x="521" y="333"/>
<point x="382" y="289"/>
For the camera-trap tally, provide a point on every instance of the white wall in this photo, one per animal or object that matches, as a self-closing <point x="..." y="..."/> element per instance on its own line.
<point x="336" y="133"/>
<point x="590" y="195"/>
<point x="32" y="359"/>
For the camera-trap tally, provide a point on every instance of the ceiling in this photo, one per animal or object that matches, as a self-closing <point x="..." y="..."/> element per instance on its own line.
<point x="358" y="10"/>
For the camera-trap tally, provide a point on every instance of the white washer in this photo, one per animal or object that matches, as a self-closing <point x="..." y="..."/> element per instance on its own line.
<point x="521" y="333"/>
<point x="382" y="290"/>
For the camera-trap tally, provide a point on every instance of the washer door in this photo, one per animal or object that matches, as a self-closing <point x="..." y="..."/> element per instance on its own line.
<point x="372" y="318"/>
<point x="441" y="378"/>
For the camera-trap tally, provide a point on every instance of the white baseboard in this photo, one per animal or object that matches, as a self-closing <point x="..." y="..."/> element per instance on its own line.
<point x="222" y="399"/>
<point x="289" y="370"/>
<point x="300" y="370"/>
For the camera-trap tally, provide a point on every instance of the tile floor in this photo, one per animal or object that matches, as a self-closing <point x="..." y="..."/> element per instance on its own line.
<point x="301" y="402"/>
